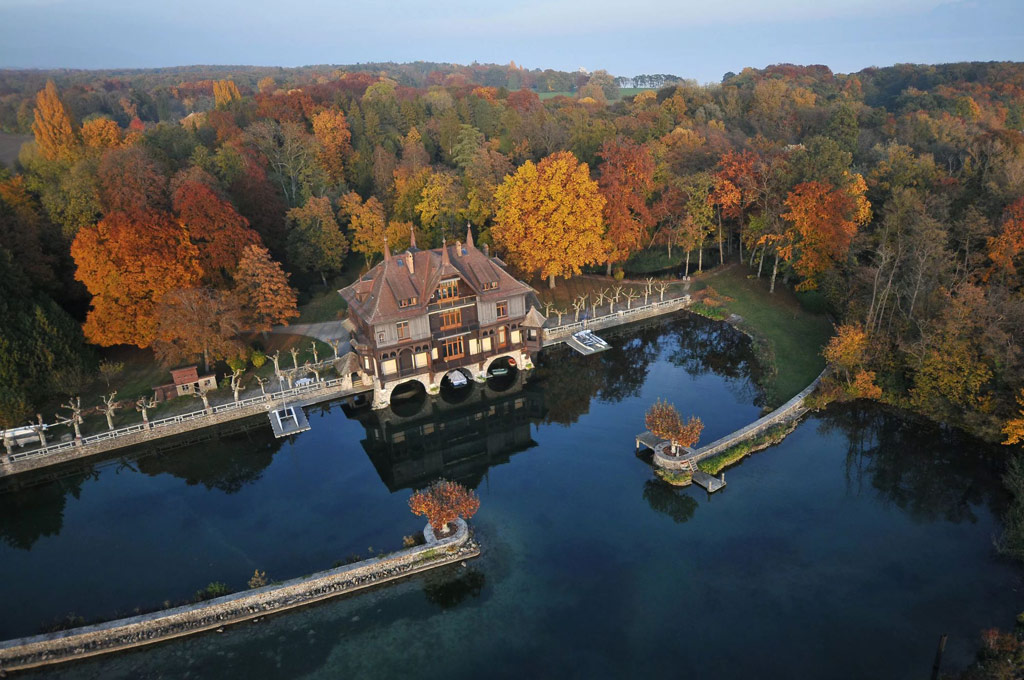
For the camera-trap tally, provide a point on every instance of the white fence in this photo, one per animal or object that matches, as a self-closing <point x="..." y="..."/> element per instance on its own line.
<point x="266" y="400"/>
<point x="623" y="316"/>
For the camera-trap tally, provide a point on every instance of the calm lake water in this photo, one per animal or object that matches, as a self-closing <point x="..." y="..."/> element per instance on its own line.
<point x="844" y="552"/>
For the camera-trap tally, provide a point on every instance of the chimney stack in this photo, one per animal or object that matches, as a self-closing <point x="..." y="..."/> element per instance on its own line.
<point x="411" y="260"/>
<point x="458" y="248"/>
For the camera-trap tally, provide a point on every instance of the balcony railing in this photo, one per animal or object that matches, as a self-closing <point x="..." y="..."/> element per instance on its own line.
<point x="452" y="303"/>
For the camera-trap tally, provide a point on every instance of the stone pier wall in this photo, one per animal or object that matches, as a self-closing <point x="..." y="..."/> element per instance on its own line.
<point x="791" y="410"/>
<point x="113" y="636"/>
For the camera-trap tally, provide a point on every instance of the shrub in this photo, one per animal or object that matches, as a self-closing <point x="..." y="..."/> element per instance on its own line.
<point x="258" y="358"/>
<point x="212" y="590"/>
<point x="258" y="580"/>
<point x="236" y="363"/>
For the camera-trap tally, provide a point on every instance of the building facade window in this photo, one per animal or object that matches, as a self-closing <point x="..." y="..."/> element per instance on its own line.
<point x="502" y="337"/>
<point x="403" y="330"/>
<point x="454" y="348"/>
<point x="380" y="337"/>
<point x="502" y="308"/>
<point x="451" y="319"/>
<point x="449" y="290"/>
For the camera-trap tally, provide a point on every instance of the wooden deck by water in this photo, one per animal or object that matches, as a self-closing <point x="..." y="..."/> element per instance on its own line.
<point x="288" y="420"/>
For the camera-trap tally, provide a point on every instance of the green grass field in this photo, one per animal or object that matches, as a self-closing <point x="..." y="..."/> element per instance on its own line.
<point x="792" y="324"/>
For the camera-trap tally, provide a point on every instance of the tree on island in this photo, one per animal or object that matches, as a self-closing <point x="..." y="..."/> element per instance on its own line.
<point x="443" y="502"/>
<point x="663" y="420"/>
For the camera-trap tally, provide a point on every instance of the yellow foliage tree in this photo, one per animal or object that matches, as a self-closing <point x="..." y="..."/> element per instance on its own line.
<point x="225" y="92"/>
<point x="53" y="128"/>
<point x="549" y="217"/>
<point x="1014" y="428"/>
<point x="331" y="129"/>
<point x="101" y="133"/>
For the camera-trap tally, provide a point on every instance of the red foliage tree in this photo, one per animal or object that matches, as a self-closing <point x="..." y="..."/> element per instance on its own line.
<point x="627" y="181"/>
<point x="443" y="502"/>
<point x="213" y="225"/>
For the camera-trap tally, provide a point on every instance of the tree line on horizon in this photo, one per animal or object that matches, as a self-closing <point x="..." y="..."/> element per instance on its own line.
<point x="897" y="194"/>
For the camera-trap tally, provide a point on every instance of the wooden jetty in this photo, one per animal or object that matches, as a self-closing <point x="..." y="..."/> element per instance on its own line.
<point x="712" y="484"/>
<point x="687" y="462"/>
<point x="288" y="420"/>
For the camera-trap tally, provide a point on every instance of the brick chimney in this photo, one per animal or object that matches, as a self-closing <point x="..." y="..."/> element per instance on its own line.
<point x="411" y="262"/>
<point x="458" y="248"/>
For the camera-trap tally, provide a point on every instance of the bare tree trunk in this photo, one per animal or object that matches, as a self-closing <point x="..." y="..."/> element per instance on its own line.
<point x="324" y="279"/>
<point x="760" y="264"/>
<point x="551" y="281"/>
<point x="206" y="359"/>
<point x="721" y="252"/>
<point x="700" y="259"/>
<point x="608" y="270"/>
<point x="687" y="263"/>
<point x="775" y="270"/>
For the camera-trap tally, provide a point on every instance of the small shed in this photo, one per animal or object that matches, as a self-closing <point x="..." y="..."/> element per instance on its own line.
<point x="185" y="381"/>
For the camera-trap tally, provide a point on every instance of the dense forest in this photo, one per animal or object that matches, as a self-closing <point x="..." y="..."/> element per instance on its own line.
<point x="171" y="208"/>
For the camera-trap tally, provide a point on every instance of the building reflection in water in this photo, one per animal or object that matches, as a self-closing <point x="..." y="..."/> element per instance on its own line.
<point x="457" y="441"/>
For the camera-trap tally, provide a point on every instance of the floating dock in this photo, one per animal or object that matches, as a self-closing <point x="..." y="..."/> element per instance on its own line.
<point x="585" y="342"/>
<point x="711" y="484"/>
<point x="288" y="420"/>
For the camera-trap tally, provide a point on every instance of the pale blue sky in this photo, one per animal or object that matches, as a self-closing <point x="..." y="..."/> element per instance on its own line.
<point x="699" y="40"/>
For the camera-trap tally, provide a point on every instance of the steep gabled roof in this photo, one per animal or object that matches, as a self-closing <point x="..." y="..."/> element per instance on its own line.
<point x="415" y="274"/>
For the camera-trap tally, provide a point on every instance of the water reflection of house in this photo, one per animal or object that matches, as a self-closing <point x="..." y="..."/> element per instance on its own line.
<point x="458" y="442"/>
<point x="186" y="382"/>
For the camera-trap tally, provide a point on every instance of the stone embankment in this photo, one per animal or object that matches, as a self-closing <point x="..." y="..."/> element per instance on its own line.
<point x="23" y="461"/>
<point x="556" y="334"/>
<point x="113" y="636"/>
<point x="790" y="411"/>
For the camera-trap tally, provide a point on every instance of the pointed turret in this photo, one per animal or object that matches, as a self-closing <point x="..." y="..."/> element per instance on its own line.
<point x="469" y="235"/>
<point x="412" y="238"/>
<point x="387" y="251"/>
<point x="444" y="253"/>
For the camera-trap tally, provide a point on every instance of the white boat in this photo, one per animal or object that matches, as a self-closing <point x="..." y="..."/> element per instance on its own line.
<point x="458" y="379"/>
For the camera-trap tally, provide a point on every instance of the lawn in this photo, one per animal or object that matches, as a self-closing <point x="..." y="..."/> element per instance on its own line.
<point x="792" y="324"/>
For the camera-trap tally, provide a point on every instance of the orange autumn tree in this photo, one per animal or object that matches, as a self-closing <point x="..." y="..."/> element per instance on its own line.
<point x="549" y="217"/>
<point x="262" y="287"/>
<point x="52" y="125"/>
<point x="1009" y="244"/>
<point x="128" y="263"/>
<point x="1014" y="427"/>
<point x="444" y="502"/>
<point x="627" y="181"/>
<point x="330" y="128"/>
<point x="847" y="353"/>
<point x="213" y="225"/>
<point x="823" y="221"/>
<point x="663" y="420"/>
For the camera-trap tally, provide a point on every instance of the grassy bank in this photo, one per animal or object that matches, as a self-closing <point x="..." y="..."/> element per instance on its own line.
<point x="739" y="451"/>
<point x="793" y="327"/>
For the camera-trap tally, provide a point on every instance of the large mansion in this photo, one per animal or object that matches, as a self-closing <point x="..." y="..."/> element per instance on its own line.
<point x="421" y="314"/>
